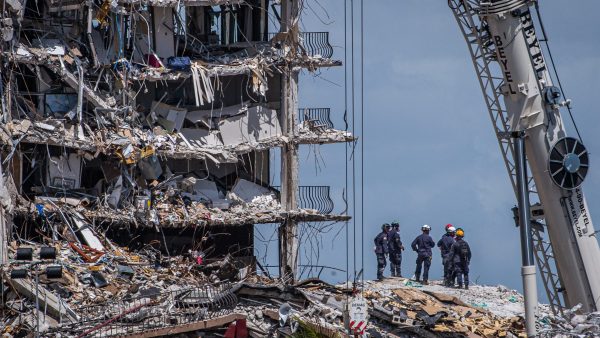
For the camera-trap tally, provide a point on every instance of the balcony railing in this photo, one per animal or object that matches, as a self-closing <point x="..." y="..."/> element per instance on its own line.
<point x="315" y="197"/>
<point x="153" y="311"/>
<point x="314" y="43"/>
<point x="319" y="117"/>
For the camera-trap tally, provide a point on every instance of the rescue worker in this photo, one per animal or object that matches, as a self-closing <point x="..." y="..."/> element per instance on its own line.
<point x="460" y="253"/>
<point x="382" y="249"/>
<point x="396" y="248"/>
<point x="422" y="245"/>
<point x="445" y="243"/>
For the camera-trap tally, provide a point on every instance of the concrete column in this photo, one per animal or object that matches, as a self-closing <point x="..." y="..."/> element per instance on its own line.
<point x="288" y="231"/>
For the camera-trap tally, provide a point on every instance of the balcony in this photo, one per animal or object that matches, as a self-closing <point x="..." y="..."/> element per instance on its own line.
<point x="315" y="44"/>
<point x="318" y="117"/>
<point x="316" y="197"/>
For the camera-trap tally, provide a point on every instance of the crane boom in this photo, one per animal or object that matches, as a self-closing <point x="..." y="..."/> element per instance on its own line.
<point x="558" y="164"/>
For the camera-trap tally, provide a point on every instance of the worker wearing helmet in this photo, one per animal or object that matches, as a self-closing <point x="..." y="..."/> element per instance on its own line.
<point x="396" y="248"/>
<point x="445" y="243"/>
<point x="422" y="245"/>
<point x="460" y="253"/>
<point x="382" y="249"/>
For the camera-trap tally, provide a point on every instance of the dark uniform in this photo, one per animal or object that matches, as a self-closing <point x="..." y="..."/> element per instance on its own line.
<point x="381" y="249"/>
<point x="422" y="245"/>
<point x="445" y="244"/>
<point x="396" y="248"/>
<point x="460" y="254"/>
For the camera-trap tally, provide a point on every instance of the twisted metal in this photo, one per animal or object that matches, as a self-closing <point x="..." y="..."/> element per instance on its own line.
<point x="152" y="311"/>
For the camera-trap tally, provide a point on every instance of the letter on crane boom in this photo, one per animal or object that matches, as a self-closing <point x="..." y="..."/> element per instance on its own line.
<point x="526" y="83"/>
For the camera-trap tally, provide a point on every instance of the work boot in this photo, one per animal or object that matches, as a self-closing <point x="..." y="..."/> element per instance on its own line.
<point x="466" y="286"/>
<point x="459" y="286"/>
<point x="425" y="282"/>
<point x="380" y="278"/>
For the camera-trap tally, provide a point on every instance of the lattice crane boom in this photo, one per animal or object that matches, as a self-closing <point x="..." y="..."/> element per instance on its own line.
<point x="520" y="96"/>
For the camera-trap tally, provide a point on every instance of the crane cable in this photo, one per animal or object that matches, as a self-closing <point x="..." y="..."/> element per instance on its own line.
<point x="353" y="105"/>
<point x="546" y="42"/>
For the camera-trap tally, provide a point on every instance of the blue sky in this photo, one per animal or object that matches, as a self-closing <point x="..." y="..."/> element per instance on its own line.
<point x="430" y="153"/>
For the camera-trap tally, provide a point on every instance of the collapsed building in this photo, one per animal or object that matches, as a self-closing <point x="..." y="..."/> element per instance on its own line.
<point x="141" y="133"/>
<point x="137" y="142"/>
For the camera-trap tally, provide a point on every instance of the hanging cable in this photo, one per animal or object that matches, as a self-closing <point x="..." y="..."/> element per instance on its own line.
<point x="562" y="92"/>
<point x="362" y="143"/>
<point x="353" y="106"/>
<point x="346" y="129"/>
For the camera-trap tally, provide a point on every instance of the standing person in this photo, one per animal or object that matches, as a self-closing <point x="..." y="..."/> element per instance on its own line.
<point x="422" y="245"/>
<point x="461" y="256"/>
<point x="445" y="243"/>
<point x="396" y="248"/>
<point x="382" y="249"/>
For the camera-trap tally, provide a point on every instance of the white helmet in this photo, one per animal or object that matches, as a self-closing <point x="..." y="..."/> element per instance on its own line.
<point x="451" y="229"/>
<point x="426" y="227"/>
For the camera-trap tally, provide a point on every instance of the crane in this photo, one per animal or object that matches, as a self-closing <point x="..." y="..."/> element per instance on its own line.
<point x="521" y="96"/>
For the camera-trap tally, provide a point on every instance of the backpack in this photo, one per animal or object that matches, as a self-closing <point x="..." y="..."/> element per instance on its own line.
<point x="395" y="240"/>
<point x="464" y="252"/>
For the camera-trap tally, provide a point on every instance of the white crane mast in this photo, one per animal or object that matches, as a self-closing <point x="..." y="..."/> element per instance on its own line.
<point x="558" y="164"/>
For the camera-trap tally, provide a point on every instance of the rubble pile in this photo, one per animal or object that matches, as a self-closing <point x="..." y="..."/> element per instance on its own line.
<point x="434" y="309"/>
<point x="108" y="290"/>
<point x="110" y="278"/>
<point x="570" y="324"/>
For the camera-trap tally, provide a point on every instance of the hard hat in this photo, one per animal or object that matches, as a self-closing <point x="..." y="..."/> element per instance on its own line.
<point x="448" y="226"/>
<point x="451" y="229"/>
<point x="384" y="225"/>
<point x="395" y="224"/>
<point x="460" y="232"/>
<point x="426" y="227"/>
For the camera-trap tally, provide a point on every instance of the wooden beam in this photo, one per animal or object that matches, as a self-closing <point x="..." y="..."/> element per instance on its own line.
<point x="208" y="324"/>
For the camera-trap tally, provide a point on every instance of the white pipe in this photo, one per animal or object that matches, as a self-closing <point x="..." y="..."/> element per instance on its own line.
<point x="531" y="300"/>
